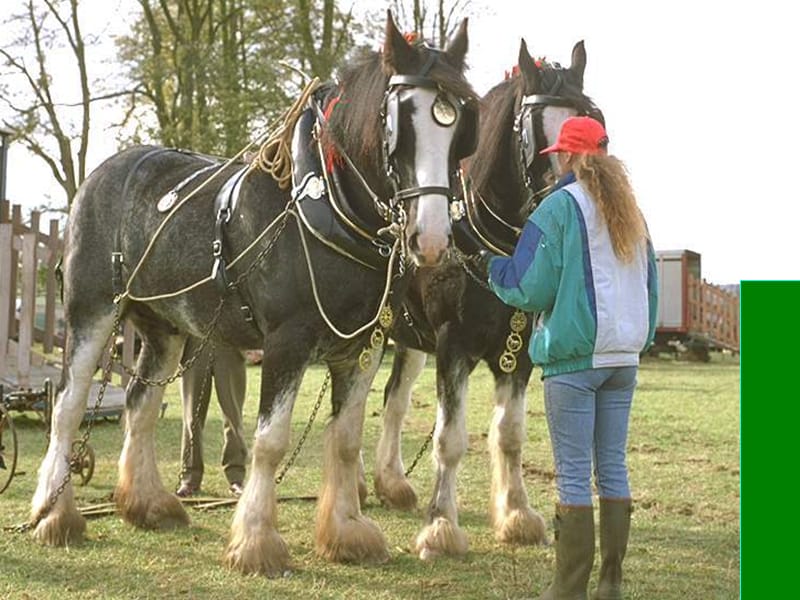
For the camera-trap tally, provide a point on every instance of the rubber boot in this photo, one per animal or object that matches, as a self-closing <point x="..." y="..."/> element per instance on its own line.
<point x="615" y="527"/>
<point x="574" y="533"/>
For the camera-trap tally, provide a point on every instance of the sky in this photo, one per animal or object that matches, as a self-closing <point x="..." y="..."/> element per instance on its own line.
<point x="697" y="95"/>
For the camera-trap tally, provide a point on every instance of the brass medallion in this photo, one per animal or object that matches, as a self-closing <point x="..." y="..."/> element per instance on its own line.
<point x="365" y="359"/>
<point x="518" y="321"/>
<point x="376" y="339"/>
<point x="514" y="342"/>
<point x="508" y="362"/>
<point x="386" y="317"/>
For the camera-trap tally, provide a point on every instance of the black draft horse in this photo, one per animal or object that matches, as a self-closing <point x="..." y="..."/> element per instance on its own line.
<point x="451" y="313"/>
<point x="133" y="251"/>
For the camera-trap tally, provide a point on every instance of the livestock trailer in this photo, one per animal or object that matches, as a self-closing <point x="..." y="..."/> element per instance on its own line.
<point x="693" y="313"/>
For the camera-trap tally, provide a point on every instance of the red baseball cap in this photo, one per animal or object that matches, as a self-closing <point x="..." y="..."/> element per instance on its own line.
<point x="580" y="135"/>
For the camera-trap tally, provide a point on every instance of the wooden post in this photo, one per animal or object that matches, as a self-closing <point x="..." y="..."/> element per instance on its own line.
<point x="5" y="293"/>
<point x="16" y="226"/>
<point x="28" y="308"/>
<point x="51" y="291"/>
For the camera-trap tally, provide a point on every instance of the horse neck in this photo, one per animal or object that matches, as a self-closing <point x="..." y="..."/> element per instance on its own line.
<point x="504" y="190"/>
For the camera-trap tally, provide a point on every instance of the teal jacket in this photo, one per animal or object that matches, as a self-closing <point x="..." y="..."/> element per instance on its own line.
<point x="595" y="311"/>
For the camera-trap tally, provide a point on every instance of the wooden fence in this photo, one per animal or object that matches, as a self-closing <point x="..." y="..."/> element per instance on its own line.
<point x="31" y="331"/>
<point x="713" y="312"/>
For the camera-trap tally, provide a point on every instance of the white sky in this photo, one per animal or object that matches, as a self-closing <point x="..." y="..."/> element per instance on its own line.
<point x="698" y="98"/>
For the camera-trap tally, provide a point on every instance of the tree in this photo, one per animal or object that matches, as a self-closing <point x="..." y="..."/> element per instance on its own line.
<point x="45" y="126"/>
<point x="211" y="70"/>
<point x="437" y="23"/>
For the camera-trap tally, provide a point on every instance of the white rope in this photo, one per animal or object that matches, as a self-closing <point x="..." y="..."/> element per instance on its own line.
<point x="387" y="288"/>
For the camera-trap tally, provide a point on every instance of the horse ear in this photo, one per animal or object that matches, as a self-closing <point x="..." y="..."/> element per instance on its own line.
<point x="398" y="55"/>
<point x="528" y="68"/>
<point x="578" y="61"/>
<point x="457" y="46"/>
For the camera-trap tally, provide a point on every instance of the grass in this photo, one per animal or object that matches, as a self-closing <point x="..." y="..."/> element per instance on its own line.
<point x="684" y="470"/>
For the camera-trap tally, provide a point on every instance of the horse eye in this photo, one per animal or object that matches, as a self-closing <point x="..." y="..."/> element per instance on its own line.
<point x="444" y="113"/>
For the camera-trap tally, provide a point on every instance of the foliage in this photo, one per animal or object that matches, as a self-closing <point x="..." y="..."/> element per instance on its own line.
<point x="43" y="113"/>
<point x="684" y="466"/>
<point x="213" y="70"/>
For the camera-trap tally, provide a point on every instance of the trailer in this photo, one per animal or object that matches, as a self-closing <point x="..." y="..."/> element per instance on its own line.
<point x="693" y="314"/>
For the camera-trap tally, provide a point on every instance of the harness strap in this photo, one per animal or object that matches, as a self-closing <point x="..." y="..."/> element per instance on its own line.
<point x="419" y="191"/>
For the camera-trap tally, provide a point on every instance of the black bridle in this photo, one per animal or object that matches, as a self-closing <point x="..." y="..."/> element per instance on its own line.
<point x="529" y="129"/>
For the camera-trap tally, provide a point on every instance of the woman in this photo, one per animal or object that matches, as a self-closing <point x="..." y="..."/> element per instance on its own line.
<point x="586" y="264"/>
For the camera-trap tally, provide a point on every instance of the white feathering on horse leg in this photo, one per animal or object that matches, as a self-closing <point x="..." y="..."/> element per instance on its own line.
<point x="140" y="495"/>
<point x="63" y="524"/>
<point x="391" y="484"/>
<point x="254" y="545"/>
<point x="343" y="533"/>
<point x="515" y="522"/>
<point x="442" y="535"/>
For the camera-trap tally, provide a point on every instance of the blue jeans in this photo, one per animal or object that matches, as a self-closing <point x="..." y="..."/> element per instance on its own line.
<point x="587" y="415"/>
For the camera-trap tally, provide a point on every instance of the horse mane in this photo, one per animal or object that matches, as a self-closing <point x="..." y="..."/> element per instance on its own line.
<point x="354" y="124"/>
<point x="497" y="112"/>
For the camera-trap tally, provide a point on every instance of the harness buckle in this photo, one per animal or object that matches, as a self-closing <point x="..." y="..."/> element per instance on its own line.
<point x="247" y="313"/>
<point x="224" y="214"/>
<point x="216" y="248"/>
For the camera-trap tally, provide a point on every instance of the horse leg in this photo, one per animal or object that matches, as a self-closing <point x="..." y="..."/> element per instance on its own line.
<point x="391" y="485"/>
<point x="343" y="533"/>
<point x="254" y="545"/>
<point x="441" y="534"/>
<point x="140" y="495"/>
<point x="61" y="523"/>
<point x="513" y="519"/>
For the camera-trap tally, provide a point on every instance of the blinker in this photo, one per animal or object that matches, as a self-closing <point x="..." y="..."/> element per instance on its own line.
<point x="444" y="113"/>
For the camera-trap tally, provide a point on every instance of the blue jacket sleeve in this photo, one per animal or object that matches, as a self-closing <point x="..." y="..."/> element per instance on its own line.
<point x="528" y="279"/>
<point x="652" y="292"/>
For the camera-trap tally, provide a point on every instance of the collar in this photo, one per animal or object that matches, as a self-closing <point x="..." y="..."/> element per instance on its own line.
<point x="565" y="180"/>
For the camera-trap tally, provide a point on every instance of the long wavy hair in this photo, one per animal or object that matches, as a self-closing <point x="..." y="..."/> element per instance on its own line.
<point x="606" y="179"/>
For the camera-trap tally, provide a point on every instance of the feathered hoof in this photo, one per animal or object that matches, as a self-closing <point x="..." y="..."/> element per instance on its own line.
<point x="162" y="511"/>
<point x="265" y="554"/>
<point x="522" y="526"/>
<point x="441" y="538"/>
<point x="62" y="527"/>
<point x="356" y="540"/>
<point x="396" y="493"/>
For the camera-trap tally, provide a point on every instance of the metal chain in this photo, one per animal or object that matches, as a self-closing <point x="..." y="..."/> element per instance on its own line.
<point x="206" y="383"/>
<point x="306" y="431"/>
<point x="81" y="448"/>
<point x="421" y="451"/>
<point x="462" y="260"/>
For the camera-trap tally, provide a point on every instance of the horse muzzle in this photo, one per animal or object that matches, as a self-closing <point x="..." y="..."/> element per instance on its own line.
<point x="429" y="234"/>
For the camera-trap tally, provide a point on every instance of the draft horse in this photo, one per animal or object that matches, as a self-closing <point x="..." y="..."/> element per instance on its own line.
<point x="449" y="312"/>
<point x="249" y="264"/>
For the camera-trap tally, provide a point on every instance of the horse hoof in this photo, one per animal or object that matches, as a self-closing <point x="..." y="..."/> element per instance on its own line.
<point x="162" y="512"/>
<point x="441" y="538"/>
<point x="522" y="526"/>
<point x="259" y="555"/>
<point x="396" y="494"/>
<point x="60" y="528"/>
<point x="356" y="540"/>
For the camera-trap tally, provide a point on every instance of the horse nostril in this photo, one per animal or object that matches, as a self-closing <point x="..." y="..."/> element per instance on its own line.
<point x="413" y="242"/>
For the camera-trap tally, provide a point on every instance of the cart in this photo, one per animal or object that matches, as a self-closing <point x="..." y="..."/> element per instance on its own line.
<point x="40" y="401"/>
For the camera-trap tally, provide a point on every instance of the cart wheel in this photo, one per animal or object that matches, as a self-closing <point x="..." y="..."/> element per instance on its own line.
<point x="82" y="464"/>
<point x="8" y="449"/>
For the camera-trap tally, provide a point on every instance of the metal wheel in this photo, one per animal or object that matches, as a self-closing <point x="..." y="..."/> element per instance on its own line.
<point x="82" y="465"/>
<point x="8" y="449"/>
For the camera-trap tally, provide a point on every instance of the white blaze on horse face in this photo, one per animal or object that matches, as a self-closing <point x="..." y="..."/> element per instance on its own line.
<point x="432" y="167"/>
<point x="552" y="119"/>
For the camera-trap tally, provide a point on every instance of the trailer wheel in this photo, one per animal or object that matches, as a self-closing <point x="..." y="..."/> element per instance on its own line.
<point x="8" y="449"/>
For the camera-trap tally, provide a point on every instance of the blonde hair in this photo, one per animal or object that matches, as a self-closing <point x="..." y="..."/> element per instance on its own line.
<point x="605" y="177"/>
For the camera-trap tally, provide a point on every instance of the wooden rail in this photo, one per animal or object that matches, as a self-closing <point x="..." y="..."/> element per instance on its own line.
<point x="713" y="313"/>
<point x="29" y="288"/>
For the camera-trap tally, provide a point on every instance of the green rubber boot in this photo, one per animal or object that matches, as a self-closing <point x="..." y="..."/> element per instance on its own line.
<point x="574" y="533"/>
<point x="615" y="527"/>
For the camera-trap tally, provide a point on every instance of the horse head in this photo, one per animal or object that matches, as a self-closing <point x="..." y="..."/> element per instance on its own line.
<point x="547" y="95"/>
<point x="430" y="122"/>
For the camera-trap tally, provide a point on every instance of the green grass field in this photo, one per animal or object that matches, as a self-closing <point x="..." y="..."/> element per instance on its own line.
<point x="684" y="470"/>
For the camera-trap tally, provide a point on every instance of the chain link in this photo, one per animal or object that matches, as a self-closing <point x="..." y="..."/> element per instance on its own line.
<point x="421" y="451"/>
<point x="306" y="431"/>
